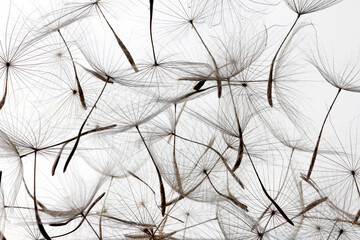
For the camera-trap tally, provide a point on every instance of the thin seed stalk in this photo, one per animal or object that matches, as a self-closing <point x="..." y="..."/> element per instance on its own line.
<point x="151" y="33"/>
<point x="36" y="210"/>
<point x="57" y="159"/>
<point x="357" y="185"/>
<point x="83" y="217"/>
<point x="241" y="139"/>
<point x="281" y="188"/>
<point x="98" y="129"/>
<point x="313" y="159"/>
<point x="216" y="70"/>
<point x="185" y="194"/>
<point x="313" y="204"/>
<point x="266" y="225"/>
<point x="266" y="193"/>
<point x="92" y="228"/>
<point x="121" y="44"/>
<point x="231" y="198"/>
<point x="103" y="208"/>
<point x="331" y="204"/>
<point x="175" y="165"/>
<point x="270" y="81"/>
<point x="356" y="218"/>
<point x="82" y="126"/>
<point x="221" y="158"/>
<point x="162" y="188"/>
<point x="185" y="226"/>
<point x="305" y="210"/>
<point x="2" y="102"/>
<point x="79" y="88"/>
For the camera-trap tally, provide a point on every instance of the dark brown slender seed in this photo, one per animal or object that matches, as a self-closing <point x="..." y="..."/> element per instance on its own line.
<point x="2" y="102"/>
<point x="81" y="93"/>
<point x="357" y="216"/>
<point x="270" y="81"/>
<point x="162" y="188"/>
<point x="121" y="44"/>
<point x="37" y="216"/>
<point x="57" y="159"/>
<point x="313" y="159"/>
<point x="81" y="128"/>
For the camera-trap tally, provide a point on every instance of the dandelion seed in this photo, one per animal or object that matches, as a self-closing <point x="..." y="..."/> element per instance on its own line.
<point x="178" y="141"/>
<point x="300" y="7"/>
<point x="81" y="94"/>
<point x="162" y="189"/>
<point x="81" y="129"/>
<point x="345" y="78"/>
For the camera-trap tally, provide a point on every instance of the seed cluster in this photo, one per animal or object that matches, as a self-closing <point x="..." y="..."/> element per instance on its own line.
<point x="174" y="119"/>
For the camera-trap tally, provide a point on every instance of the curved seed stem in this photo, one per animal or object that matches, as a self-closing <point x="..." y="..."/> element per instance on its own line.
<point x="82" y="126"/>
<point x="103" y="208"/>
<point x="357" y="185"/>
<point x="241" y="139"/>
<point x="231" y="198"/>
<point x="83" y="217"/>
<point x="37" y="216"/>
<point x="98" y="129"/>
<point x="80" y="91"/>
<point x="319" y="137"/>
<point x="175" y="165"/>
<point x="216" y="70"/>
<point x="270" y="81"/>
<point x="92" y="228"/>
<point x="151" y="34"/>
<point x="356" y="218"/>
<point x="162" y="189"/>
<point x="266" y="193"/>
<point x="221" y="158"/>
<point x="2" y="102"/>
<point x="56" y="162"/>
<point x="121" y="44"/>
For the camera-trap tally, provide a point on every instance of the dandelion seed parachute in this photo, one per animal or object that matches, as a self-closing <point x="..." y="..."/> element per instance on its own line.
<point x="129" y="92"/>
